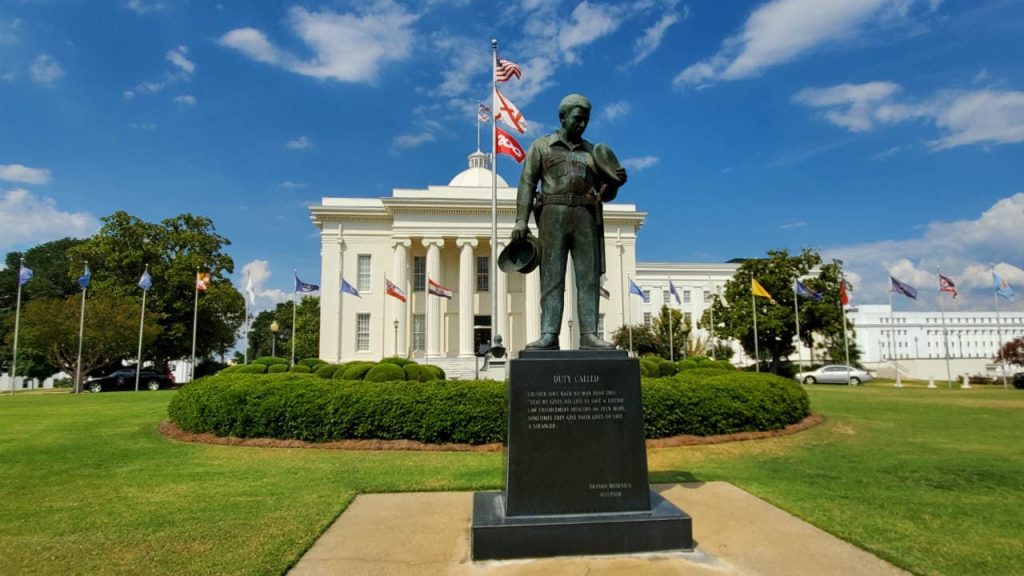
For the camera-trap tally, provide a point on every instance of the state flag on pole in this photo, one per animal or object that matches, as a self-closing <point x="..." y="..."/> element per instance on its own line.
<point x="85" y="278"/>
<point x="946" y="285"/>
<point x="24" y="274"/>
<point x="757" y="290"/>
<point x="802" y="290"/>
<point x="672" y="290"/>
<point x="1003" y="287"/>
<point x="507" y="145"/>
<point x="202" y="281"/>
<point x="507" y="112"/>
<point x="394" y="291"/>
<point x="347" y="288"/>
<point x="438" y="290"/>
<point x="635" y="289"/>
<point x="844" y="297"/>
<point x="483" y="113"/>
<point x="504" y="70"/>
<point x="146" y="282"/>
<point x="249" y="289"/>
<point x="301" y="286"/>
<point x="903" y="288"/>
<point x="605" y="293"/>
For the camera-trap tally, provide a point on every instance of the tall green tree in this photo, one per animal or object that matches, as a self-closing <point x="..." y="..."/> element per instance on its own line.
<point x="174" y="250"/>
<point x="645" y="341"/>
<point x="824" y="318"/>
<point x="307" y="330"/>
<point x="672" y="333"/>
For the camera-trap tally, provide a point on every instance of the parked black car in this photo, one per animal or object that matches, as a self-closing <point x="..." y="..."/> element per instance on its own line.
<point x="1018" y="380"/>
<point x="124" y="379"/>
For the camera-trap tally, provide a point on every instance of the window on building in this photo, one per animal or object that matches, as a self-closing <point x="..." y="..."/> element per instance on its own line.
<point x="647" y="318"/>
<point x="482" y="274"/>
<point x="647" y="295"/>
<point x="600" y="326"/>
<point x="707" y="296"/>
<point x="666" y="298"/>
<point x="419" y="275"/>
<point x="363" y="281"/>
<point x="686" y="296"/>
<point x="419" y="332"/>
<point x="362" y="332"/>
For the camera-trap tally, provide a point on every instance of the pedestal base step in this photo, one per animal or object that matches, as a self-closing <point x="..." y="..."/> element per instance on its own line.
<point x="498" y="537"/>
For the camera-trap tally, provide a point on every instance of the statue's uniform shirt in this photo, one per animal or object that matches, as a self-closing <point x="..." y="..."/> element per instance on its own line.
<point x="566" y="223"/>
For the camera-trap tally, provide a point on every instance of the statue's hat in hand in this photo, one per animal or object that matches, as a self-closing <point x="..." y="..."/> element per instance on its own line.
<point x="521" y="256"/>
<point x="610" y="170"/>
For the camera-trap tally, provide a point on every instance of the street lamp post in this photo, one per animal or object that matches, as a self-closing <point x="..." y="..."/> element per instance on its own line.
<point x="396" y="336"/>
<point x="274" y="327"/>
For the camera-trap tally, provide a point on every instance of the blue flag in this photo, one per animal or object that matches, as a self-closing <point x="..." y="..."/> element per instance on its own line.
<point x="347" y="288"/>
<point x="903" y="288"/>
<point x="673" y="292"/>
<point x="24" y="275"/>
<point x="146" y="282"/>
<point x="84" y="279"/>
<point x="1003" y="287"/>
<point x="634" y="289"/>
<point x="301" y="286"/>
<point x="806" y="292"/>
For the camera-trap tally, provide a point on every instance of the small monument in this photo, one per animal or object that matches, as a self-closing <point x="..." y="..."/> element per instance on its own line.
<point x="576" y="469"/>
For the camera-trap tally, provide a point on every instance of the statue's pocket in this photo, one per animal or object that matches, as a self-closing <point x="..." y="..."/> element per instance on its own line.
<point x="555" y="166"/>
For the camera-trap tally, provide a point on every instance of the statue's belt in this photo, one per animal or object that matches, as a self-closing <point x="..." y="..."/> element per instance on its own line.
<point x="568" y="199"/>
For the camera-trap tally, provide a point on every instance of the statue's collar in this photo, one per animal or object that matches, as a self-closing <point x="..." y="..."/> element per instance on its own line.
<point x="556" y="138"/>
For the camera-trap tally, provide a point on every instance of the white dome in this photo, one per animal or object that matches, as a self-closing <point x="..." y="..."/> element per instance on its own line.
<point x="478" y="175"/>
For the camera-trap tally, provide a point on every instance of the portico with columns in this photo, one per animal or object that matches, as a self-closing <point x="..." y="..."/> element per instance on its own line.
<point x="442" y="233"/>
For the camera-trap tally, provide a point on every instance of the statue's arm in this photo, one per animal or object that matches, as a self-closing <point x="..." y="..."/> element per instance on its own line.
<point x="527" y="188"/>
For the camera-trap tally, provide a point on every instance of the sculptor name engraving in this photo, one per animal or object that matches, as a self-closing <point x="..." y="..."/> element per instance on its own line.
<point x="610" y="489"/>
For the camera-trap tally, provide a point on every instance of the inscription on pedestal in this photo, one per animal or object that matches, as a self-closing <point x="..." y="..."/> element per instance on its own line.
<point x="576" y="439"/>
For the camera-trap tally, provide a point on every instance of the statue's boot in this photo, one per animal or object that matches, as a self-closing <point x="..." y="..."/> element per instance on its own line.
<point x="592" y="342"/>
<point x="545" y="342"/>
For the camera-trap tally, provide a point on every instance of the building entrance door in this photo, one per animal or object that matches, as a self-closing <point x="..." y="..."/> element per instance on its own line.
<point x="481" y="333"/>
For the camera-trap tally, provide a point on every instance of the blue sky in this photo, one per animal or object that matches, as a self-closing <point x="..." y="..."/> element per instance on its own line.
<point x="887" y="133"/>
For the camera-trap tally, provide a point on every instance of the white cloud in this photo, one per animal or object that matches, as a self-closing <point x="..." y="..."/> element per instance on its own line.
<point x="24" y="174"/>
<point x="964" y="249"/>
<point x="45" y="70"/>
<point x="651" y="40"/>
<point x="641" y="163"/>
<point x="615" y="109"/>
<point x="784" y="30"/>
<point x="588" y="23"/>
<point x="347" y="47"/>
<point x="9" y="31"/>
<point x="178" y="58"/>
<point x="144" y="88"/>
<point x="986" y="116"/>
<point x="26" y="219"/>
<point x="260" y="271"/>
<point x="143" y="125"/>
<point x="791" y="225"/>
<point x="412" y="140"/>
<point x="142" y="6"/>
<point x="300" y="143"/>
<point x="186" y="99"/>
<point x="292" y="185"/>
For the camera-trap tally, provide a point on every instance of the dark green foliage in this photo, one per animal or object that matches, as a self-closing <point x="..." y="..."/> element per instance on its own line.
<point x="305" y="407"/>
<point x="414" y="373"/>
<point x="252" y="369"/>
<point x="277" y="368"/>
<point x="385" y="372"/>
<point x="356" y="370"/>
<point x="667" y="369"/>
<point x="268" y="360"/>
<point x="649" y="368"/>
<point x="327" y="370"/>
<point x="208" y="367"/>
<point x="686" y="365"/>
<point x="432" y="372"/>
<point x="398" y="360"/>
<point x="300" y="369"/>
<point x="724" y="365"/>
<point x="311" y="363"/>
<point x="230" y="369"/>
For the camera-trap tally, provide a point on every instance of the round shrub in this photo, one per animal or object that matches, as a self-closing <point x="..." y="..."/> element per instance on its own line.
<point x="700" y="360"/>
<point x="649" y="368"/>
<point x="311" y="363"/>
<point x="339" y="374"/>
<point x="385" y="372"/>
<point x="397" y="360"/>
<point x="268" y="360"/>
<point x="230" y="369"/>
<point x="724" y="365"/>
<point x="277" y="368"/>
<point x="252" y="369"/>
<point x="431" y="372"/>
<point x="667" y="368"/>
<point x="300" y="369"/>
<point x="327" y="370"/>
<point x="686" y="364"/>
<point x="357" y="370"/>
<point x="413" y="372"/>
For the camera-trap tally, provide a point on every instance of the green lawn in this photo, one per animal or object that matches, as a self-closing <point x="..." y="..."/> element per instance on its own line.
<point x="931" y="480"/>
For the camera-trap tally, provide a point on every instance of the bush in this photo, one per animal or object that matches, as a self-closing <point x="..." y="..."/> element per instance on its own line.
<point x="414" y="372"/>
<point x="300" y="368"/>
<point x="686" y="365"/>
<point x="277" y="368"/>
<point x="431" y="372"/>
<point x="230" y="369"/>
<point x="327" y="370"/>
<point x="397" y="360"/>
<point x="667" y="368"/>
<point x="649" y="368"/>
<point x="268" y="360"/>
<point x="724" y="365"/>
<point x="311" y="363"/>
<point x="385" y="372"/>
<point x="252" y="369"/>
<point x="357" y="370"/>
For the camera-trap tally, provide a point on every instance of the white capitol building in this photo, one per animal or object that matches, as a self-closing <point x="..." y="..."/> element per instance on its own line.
<point x="443" y="233"/>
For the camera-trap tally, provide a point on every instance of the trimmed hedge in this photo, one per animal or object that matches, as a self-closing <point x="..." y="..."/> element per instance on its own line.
<point x="649" y="368"/>
<point x="276" y="368"/>
<point x="703" y="401"/>
<point x="356" y="370"/>
<point x="327" y="370"/>
<point x="252" y="369"/>
<point x="300" y="369"/>
<point x="311" y="363"/>
<point x="385" y="372"/>
<point x="268" y="360"/>
<point x="398" y="360"/>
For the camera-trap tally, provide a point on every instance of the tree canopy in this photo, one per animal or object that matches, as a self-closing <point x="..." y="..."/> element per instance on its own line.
<point x="307" y="330"/>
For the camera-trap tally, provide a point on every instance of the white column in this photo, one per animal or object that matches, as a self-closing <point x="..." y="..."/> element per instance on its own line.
<point x="330" y="245"/>
<point x="500" y="323"/>
<point x="433" y="307"/>
<point x="467" y="289"/>
<point x="399" y="276"/>
<point x="532" y="312"/>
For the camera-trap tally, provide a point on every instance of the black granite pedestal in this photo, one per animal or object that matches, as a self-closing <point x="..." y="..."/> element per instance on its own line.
<point x="576" y="469"/>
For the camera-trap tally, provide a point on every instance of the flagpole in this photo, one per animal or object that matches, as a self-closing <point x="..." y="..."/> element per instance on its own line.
<point x="945" y="333"/>
<point x="295" y="306"/>
<point x="142" y="319"/>
<point x="248" y="323"/>
<point x="383" y="317"/>
<point x="842" y="311"/>
<point x="629" y="321"/>
<point x="892" y="338"/>
<point x="714" y="327"/>
<point x="81" y="328"/>
<point x="999" y="327"/>
<point x="796" y="310"/>
<point x="757" y="353"/>
<point x="195" y="324"/>
<point x="17" y="324"/>
<point x="494" y="196"/>
<point x="623" y="294"/>
<point x="671" y="321"/>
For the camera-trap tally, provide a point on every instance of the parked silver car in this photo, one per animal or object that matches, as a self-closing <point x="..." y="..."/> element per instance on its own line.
<point x="835" y="374"/>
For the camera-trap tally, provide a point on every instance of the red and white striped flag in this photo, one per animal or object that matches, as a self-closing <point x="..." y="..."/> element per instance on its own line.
<point x="508" y="146"/>
<point x="394" y="291"/>
<point x="505" y="70"/>
<point x="438" y="290"/>
<point x="946" y="285"/>
<point x="508" y="113"/>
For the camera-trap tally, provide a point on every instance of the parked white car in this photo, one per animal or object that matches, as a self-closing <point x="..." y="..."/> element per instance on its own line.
<point x="835" y="374"/>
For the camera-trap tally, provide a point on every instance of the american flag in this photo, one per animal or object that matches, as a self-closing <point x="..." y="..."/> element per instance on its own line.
<point x="946" y="285"/>
<point x="483" y="113"/>
<point x="505" y="70"/>
<point x="438" y="290"/>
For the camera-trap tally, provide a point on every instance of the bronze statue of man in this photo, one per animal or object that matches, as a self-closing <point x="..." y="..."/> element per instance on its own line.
<point x="575" y="177"/>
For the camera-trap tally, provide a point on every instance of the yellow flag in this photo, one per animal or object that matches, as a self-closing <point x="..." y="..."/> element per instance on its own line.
<point x="757" y="290"/>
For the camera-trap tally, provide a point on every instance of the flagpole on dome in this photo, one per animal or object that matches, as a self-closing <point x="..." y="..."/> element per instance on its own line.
<point x="494" y="196"/>
<point x="945" y="332"/>
<point x="83" y="281"/>
<point x="144" y="283"/>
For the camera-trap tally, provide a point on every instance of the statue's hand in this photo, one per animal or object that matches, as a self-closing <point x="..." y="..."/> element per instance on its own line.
<point x="521" y="230"/>
<point x="621" y="173"/>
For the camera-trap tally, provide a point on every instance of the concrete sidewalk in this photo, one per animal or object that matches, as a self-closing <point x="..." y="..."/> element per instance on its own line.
<point x="736" y="533"/>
